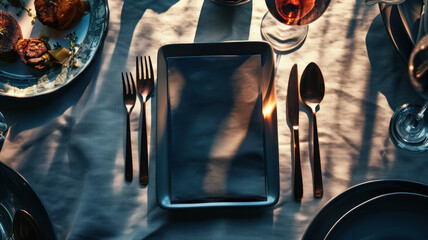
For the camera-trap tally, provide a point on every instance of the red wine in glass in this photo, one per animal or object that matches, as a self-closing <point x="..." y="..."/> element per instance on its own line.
<point x="291" y="11"/>
<point x="295" y="13"/>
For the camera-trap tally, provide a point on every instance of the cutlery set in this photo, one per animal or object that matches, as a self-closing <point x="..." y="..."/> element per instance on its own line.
<point x="312" y="91"/>
<point x="311" y="94"/>
<point x="145" y="86"/>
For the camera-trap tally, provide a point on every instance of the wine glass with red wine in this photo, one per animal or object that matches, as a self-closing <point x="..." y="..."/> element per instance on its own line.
<point x="285" y="25"/>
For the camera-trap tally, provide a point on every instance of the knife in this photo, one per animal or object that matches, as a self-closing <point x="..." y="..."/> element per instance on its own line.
<point x="293" y="119"/>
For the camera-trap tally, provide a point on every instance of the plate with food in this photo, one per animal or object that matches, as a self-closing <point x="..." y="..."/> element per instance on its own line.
<point x="46" y="44"/>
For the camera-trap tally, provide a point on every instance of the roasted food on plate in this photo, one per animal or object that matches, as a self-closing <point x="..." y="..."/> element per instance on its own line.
<point x="37" y="53"/>
<point x="33" y="52"/>
<point x="59" y="14"/>
<point x="10" y="32"/>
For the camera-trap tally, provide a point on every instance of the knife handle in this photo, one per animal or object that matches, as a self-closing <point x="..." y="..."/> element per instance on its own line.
<point x="317" y="173"/>
<point x="297" y="176"/>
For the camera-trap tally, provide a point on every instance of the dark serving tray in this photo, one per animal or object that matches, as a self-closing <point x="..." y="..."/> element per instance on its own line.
<point x="267" y="114"/>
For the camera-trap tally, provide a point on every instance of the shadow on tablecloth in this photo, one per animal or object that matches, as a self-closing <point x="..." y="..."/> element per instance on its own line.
<point x="219" y="23"/>
<point x="389" y="73"/>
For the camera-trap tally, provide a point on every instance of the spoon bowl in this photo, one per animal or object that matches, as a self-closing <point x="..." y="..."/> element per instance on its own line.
<point x="312" y="92"/>
<point x="312" y="88"/>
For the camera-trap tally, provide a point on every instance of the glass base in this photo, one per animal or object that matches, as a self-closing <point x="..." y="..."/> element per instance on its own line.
<point x="406" y="131"/>
<point x="230" y="3"/>
<point x="282" y="37"/>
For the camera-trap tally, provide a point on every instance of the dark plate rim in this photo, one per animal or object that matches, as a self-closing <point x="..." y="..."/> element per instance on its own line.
<point x="369" y="203"/>
<point x="50" y="231"/>
<point x="335" y="208"/>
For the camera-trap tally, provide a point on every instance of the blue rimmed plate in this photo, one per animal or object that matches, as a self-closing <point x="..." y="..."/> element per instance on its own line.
<point x="20" y="81"/>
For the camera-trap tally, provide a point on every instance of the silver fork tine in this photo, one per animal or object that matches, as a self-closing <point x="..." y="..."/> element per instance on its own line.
<point x="124" y="85"/>
<point x="133" y="91"/>
<point x="146" y="73"/>
<point x="129" y="84"/>
<point x="151" y="69"/>
<point x="139" y="69"/>
<point x="152" y="79"/>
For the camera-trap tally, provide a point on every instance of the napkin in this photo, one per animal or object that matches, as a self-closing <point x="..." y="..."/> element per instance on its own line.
<point x="216" y="134"/>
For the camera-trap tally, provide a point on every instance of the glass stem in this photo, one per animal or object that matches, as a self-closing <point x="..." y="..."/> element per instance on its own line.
<point x="421" y="112"/>
<point x="277" y="60"/>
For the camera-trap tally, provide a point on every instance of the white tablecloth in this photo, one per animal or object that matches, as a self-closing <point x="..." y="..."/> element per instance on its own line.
<point x="70" y="146"/>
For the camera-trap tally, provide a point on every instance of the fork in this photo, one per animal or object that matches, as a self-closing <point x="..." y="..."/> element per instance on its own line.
<point x="145" y="85"/>
<point x="129" y="96"/>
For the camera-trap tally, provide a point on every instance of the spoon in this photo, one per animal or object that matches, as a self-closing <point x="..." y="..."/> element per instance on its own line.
<point x="373" y="2"/>
<point x="25" y="227"/>
<point x="312" y="92"/>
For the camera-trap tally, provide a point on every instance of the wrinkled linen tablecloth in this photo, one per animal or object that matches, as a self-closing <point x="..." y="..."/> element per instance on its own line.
<point x="70" y="145"/>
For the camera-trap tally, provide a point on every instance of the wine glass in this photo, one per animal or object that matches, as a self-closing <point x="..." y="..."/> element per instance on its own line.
<point x="408" y="128"/>
<point x="285" y="25"/>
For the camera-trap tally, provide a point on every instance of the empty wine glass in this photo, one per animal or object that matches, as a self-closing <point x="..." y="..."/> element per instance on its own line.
<point x="408" y="127"/>
<point x="285" y="25"/>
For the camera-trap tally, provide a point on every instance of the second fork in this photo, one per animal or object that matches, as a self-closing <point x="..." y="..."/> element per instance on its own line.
<point x="145" y="85"/>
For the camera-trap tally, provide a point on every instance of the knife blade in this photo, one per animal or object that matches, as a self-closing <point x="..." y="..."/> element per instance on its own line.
<point x="293" y="119"/>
